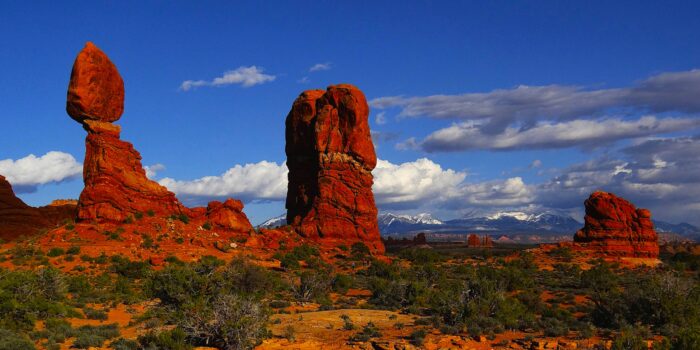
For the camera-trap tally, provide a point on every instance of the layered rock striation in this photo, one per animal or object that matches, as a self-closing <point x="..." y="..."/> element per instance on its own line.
<point x="330" y="156"/>
<point x="614" y="227"/>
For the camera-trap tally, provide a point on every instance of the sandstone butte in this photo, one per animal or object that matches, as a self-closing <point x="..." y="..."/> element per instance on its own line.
<point x="330" y="156"/>
<point x="614" y="227"/>
<point x="476" y="241"/>
<point x="116" y="186"/>
<point x="19" y="219"/>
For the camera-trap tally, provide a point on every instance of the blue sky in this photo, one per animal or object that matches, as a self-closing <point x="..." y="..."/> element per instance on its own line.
<point x="507" y="80"/>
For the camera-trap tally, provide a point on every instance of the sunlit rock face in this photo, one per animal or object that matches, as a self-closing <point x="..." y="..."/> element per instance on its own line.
<point x="330" y="156"/>
<point x="613" y="226"/>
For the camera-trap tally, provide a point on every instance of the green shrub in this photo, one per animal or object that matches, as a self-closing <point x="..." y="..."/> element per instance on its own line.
<point x="368" y="332"/>
<point x="124" y="344"/>
<point x="73" y="250"/>
<point x="168" y="340"/>
<point x="342" y="282"/>
<point x="13" y="341"/>
<point x="54" y="252"/>
<point x="417" y="337"/>
<point x="94" y="314"/>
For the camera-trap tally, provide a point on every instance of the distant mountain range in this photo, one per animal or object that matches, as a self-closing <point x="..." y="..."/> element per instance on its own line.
<point x="547" y="226"/>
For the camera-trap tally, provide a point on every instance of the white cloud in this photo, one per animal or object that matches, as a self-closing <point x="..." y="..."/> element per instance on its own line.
<point x="320" y="66"/>
<point x="152" y="170"/>
<point x="25" y="174"/>
<point x="259" y="181"/>
<point x="380" y="118"/>
<point x="414" y="183"/>
<point x="546" y="135"/>
<point x="536" y="164"/>
<point x="303" y="80"/>
<point x="244" y="76"/>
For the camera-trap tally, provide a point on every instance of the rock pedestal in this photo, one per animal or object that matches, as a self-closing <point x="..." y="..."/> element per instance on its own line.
<point x="116" y="185"/>
<point x="330" y="156"/>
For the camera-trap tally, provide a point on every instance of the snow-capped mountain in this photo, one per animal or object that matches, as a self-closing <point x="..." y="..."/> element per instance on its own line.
<point x="394" y="223"/>
<point x="548" y="223"/>
<point x="277" y="221"/>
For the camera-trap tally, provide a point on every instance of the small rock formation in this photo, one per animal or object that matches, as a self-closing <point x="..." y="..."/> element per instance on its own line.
<point x="475" y="241"/>
<point x="19" y="219"/>
<point x="228" y="214"/>
<point x="330" y="156"/>
<point x="613" y="226"/>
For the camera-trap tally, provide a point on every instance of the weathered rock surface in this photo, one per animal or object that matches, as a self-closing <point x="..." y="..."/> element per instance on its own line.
<point x="614" y="226"/>
<point x="96" y="90"/>
<point x="229" y="215"/>
<point x="330" y="156"/>
<point x="19" y="219"/>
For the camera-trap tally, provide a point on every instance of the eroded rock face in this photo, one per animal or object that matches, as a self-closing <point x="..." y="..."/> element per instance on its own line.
<point x="19" y="219"/>
<point x="228" y="214"/>
<point x="330" y="156"/>
<point x="96" y="90"/>
<point x="116" y="185"/>
<point x="615" y="227"/>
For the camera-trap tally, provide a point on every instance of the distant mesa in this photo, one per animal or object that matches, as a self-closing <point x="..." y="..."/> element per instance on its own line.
<point x="116" y="186"/>
<point x="330" y="156"/>
<point x="419" y="240"/>
<point x="19" y="219"/>
<point x="614" y="227"/>
<point x="476" y="241"/>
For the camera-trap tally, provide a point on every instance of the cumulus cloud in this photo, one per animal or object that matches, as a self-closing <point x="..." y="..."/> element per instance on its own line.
<point x="547" y="135"/>
<point x="258" y="181"/>
<point x="412" y="184"/>
<point x="25" y="174"/>
<point x="244" y="76"/>
<point x="320" y="66"/>
<point x="152" y="170"/>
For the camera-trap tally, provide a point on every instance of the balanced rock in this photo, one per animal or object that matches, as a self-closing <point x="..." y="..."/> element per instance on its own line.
<point x="330" y="156"/>
<point x="96" y="90"/>
<point x="614" y="227"/>
<point x="116" y="185"/>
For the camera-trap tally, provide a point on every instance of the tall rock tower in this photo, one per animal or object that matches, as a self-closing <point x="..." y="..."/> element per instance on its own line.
<point x="330" y="156"/>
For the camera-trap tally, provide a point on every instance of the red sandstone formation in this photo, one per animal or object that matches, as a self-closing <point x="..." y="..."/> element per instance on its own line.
<point x="330" y="157"/>
<point x="18" y="219"/>
<point x="228" y="215"/>
<point x="613" y="226"/>
<point x="116" y="186"/>
<point x="475" y="241"/>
